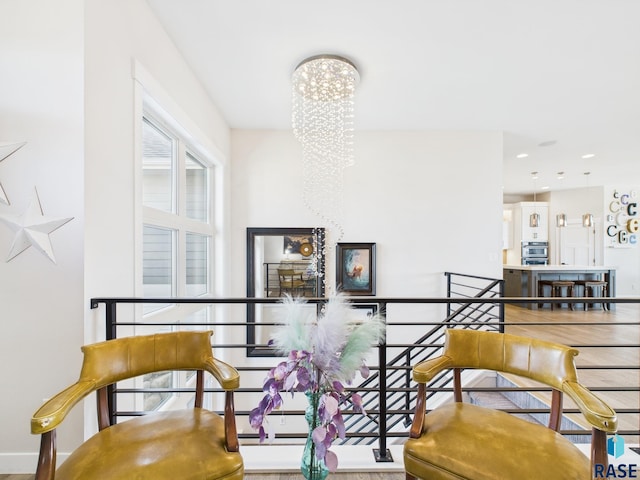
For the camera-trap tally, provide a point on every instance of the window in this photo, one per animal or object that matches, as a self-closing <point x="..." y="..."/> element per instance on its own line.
<point x="158" y="250"/>
<point x="159" y="168"/>
<point x="178" y="231"/>
<point x="177" y="238"/>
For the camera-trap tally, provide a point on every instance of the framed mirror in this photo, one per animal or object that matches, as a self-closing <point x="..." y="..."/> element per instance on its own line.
<point x="280" y="261"/>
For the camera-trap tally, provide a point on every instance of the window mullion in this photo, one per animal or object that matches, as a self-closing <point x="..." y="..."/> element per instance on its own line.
<point x="181" y="251"/>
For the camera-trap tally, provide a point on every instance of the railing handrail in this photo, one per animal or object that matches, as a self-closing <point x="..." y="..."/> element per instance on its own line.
<point x="95" y="301"/>
<point x="387" y="370"/>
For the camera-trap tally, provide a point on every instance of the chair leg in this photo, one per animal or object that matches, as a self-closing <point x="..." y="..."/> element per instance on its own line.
<point x="598" y="449"/>
<point x="410" y="477"/>
<point x="47" y="459"/>
<point x="570" y="294"/>
<point x="541" y="293"/>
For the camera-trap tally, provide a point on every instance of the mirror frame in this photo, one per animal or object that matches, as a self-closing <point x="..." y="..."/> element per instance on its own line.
<point x="252" y="233"/>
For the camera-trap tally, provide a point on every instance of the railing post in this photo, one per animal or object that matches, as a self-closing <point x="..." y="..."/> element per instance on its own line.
<point x="407" y="385"/>
<point x="382" y="454"/>
<point x="448" y="275"/>
<point x="110" y="334"/>
<point x="110" y="320"/>
<point x="501" y="309"/>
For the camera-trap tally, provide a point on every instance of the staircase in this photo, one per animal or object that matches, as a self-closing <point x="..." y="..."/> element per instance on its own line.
<point x="400" y="395"/>
<point x="510" y="401"/>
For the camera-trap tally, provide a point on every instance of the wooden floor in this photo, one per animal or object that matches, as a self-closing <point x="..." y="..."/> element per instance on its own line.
<point x="280" y="476"/>
<point x="577" y="328"/>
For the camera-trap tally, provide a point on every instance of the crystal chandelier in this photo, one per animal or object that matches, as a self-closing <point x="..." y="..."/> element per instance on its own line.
<point x="323" y="122"/>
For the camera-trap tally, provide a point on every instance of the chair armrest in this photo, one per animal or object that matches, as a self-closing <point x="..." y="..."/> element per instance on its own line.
<point x="425" y="371"/>
<point x="54" y="410"/>
<point x="597" y="412"/>
<point x="229" y="379"/>
<point x="225" y="374"/>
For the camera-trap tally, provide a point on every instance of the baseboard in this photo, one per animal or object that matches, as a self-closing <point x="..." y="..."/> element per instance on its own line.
<point x="13" y="463"/>
<point x="286" y="458"/>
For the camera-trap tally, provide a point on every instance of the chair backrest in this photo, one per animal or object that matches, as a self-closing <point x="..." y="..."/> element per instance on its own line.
<point x="546" y="362"/>
<point x="114" y="360"/>
<point x="287" y="276"/>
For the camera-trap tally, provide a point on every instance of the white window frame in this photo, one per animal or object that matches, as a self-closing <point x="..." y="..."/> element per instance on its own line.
<point x="190" y="140"/>
<point x="179" y="222"/>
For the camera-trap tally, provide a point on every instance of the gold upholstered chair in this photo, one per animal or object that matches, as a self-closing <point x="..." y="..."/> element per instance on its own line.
<point x="191" y="443"/>
<point x="464" y="441"/>
<point x="291" y="282"/>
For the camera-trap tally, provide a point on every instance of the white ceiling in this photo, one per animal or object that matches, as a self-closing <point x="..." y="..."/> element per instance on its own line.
<point x="540" y="70"/>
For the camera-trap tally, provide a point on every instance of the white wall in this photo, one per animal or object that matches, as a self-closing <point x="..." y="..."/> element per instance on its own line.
<point x="41" y="303"/>
<point x="110" y="103"/>
<point x="68" y="91"/>
<point x="431" y="201"/>
<point x="626" y="258"/>
<point x="127" y="51"/>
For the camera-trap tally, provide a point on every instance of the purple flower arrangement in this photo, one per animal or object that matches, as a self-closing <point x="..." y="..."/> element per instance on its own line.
<point x="323" y="355"/>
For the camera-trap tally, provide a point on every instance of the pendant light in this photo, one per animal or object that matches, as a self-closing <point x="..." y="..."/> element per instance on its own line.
<point x="587" y="218"/>
<point x="561" y="218"/>
<point x="534" y="218"/>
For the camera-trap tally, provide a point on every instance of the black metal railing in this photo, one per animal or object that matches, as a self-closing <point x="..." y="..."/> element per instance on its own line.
<point x="388" y="394"/>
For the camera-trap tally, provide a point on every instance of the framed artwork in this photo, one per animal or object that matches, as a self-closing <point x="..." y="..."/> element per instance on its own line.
<point x="302" y="244"/>
<point x="356" y="268"/>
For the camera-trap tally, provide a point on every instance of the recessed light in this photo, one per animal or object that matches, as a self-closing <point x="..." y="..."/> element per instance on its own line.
<point x="589" y="155"/>
<point x="548" y="143"/>
<point x="522" y="155"/>
<point x="560" y="175"/>
<point x="546" y="187"/>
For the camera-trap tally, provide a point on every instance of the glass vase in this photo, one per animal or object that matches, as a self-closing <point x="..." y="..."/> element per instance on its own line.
<point x="311" y="466"/>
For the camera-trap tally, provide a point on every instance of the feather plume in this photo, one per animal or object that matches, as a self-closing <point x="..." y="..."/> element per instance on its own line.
<point x="363" y="337"/>
<point x="295" y="331"/>
<point x="331" y="335"/>
<point x="338" y="340"/>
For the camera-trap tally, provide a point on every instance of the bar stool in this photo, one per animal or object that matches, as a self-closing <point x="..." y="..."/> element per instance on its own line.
<point x="541" y="286"/>
<point x="557" y="288"/>
<point x="593" y="289"/>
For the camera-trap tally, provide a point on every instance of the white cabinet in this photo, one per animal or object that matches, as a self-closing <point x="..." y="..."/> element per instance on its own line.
<point x="507" y="227"/>
<point x="521" y="231"/>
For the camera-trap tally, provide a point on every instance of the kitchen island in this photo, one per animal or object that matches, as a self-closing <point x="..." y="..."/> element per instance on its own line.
<point x="522" y="280"/>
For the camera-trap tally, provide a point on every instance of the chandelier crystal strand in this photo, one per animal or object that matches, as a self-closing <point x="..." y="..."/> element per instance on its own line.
<point x="323" y="121"/>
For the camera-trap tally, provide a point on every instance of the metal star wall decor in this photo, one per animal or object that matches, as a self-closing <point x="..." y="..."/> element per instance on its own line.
<point x="6" y="149"/>
<point x="32" y="229"/>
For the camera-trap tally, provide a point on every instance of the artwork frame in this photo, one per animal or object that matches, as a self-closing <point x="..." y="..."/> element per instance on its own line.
<point x="356" y="268"/>
<point x="296" y="243"/>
